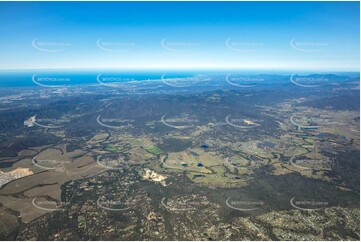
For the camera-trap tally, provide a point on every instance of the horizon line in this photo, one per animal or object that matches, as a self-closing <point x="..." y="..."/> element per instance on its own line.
<point x="178" y="68"/>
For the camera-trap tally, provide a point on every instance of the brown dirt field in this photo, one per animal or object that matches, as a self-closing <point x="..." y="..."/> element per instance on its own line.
<point x="8" y="222"/>
<point x="51" y="190"/>
<point x="27" y="210"/>
<point x="24" y="183"/>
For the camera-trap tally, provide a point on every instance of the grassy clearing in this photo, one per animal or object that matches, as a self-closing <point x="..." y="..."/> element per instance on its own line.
<point x="153" y="150"/>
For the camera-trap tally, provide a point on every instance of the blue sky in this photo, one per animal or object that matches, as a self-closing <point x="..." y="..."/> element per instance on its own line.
<point x="125" y="35"/>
